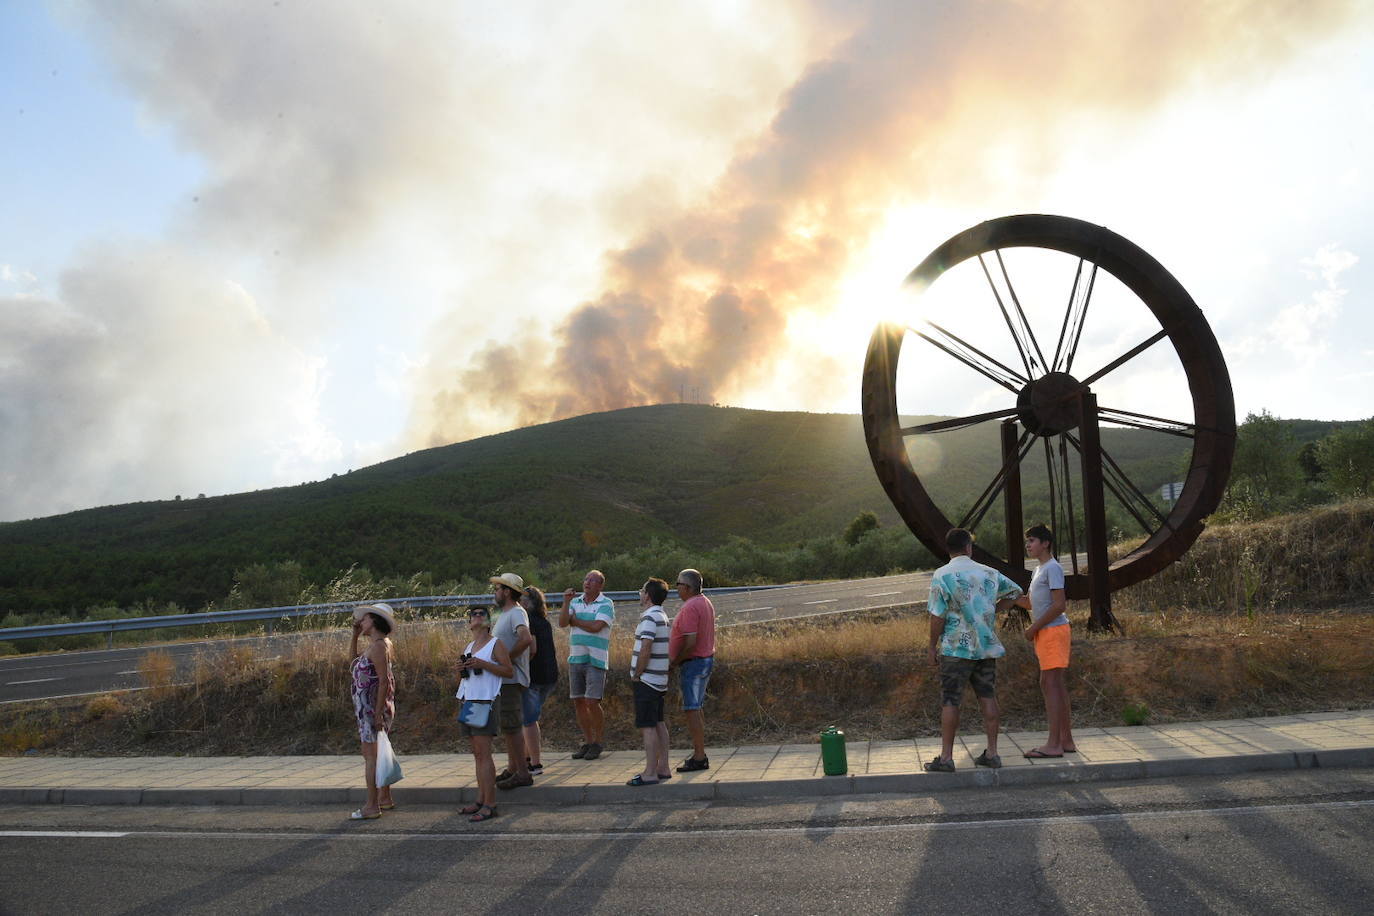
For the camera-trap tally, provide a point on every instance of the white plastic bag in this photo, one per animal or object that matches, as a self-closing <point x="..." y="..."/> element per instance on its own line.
<point x="388" y="767"/>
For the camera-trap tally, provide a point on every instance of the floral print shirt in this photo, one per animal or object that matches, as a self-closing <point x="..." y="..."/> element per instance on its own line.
<point x="965" y="594"/>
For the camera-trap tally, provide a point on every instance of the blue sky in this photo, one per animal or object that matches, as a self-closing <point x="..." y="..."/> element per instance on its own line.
<point x="248" y="245"/>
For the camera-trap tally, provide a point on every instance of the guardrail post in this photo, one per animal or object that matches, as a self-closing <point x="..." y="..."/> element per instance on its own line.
<point x="109" y="638"/>
<point x="270" y="627"/>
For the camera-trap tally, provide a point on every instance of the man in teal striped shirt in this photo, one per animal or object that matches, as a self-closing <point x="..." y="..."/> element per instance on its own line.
<point x="590" y="616"/>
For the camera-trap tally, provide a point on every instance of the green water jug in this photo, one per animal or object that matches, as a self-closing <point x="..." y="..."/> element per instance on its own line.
<point x="833" y="758"/>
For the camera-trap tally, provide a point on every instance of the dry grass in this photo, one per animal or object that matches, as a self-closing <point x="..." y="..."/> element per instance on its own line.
<point x="1216" y="636"/>
<point x="780" y="683"/>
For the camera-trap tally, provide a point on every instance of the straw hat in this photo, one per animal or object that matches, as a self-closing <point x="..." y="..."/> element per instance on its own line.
<point x="381" y="610"/>
<point x="510" y="581"/>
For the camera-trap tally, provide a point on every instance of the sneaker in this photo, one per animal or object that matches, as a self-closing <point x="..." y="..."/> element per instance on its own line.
<point x="593" y="752"/>
<point x="691" y="765"/>
<point x="535" y="768"/>
<point x="515" y="782"/>
<point x="938" y="765"/>
<point x="992" y="761"/>
<point x="581" y="752"/>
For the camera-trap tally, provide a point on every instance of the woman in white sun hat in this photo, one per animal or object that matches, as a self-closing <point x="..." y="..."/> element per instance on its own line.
<point x="374" y="697"/>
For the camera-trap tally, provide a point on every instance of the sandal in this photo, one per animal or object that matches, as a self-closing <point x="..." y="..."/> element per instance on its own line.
<point x="664" y="776"/>
<point x="1036" y="754"/>
<point x="470" y="809"/>
<point x="389" y="806"/>
<point x="360" y="816"/>
<point x="507" y="773"/>
<point x="641" y="781"/>
<point x="478" y="817"/>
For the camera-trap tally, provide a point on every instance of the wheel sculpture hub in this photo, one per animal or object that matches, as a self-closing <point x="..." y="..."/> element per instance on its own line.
<point x="1048" y="406"/>
<point x="1055" y="406"/>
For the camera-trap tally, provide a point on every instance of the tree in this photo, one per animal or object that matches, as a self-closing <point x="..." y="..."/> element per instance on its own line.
<point x="1347" y="456"/>
<point x="1266" y="470"/>
<point x="863" y="523"/>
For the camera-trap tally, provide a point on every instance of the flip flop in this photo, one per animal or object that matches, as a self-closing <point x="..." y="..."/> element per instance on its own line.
<point x="641" y="781"/>
<point x="664" y="776"/>
<point x="1037" y="754"/>
<point x="479" y="816"/>
<point x="469" y="809"/>
<point x="390" y="807"/>
<point x="1071" y="750"/>
<point x="359" y="816"/>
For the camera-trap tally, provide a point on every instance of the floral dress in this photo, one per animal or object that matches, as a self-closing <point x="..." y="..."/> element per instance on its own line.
<point x="365" y="684"/>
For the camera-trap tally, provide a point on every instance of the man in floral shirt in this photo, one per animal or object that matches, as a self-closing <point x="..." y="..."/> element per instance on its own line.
<point x="964" y="600"/>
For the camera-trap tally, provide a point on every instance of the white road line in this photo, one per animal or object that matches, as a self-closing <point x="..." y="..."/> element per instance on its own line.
<point x="744" y="834"/>
<point x="822" y="601"/>
<point x="82" y="834"/>
<point x="875" y="595"/>
<point x="130" y="671"/>
<point x="37" y="680"/>
<point x="88" y="693"/>
<point x="745" y="610"/>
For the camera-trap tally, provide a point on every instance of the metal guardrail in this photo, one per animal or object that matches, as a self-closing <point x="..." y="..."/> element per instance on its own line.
<point x="273" y="614"/>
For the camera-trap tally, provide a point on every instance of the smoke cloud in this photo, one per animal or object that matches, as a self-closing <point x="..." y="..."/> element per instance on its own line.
<point x="908" y="105"/>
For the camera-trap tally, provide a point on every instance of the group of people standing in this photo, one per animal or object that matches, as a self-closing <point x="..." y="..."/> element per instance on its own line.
<point x="510" y="666"/>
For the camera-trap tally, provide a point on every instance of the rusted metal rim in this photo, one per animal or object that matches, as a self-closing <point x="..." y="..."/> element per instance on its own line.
<point x="1180" y="319"/>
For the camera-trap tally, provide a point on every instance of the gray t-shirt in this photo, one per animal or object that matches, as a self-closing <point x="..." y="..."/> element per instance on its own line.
<point x="507" y="622"/>
<point x="1048" y="577"/>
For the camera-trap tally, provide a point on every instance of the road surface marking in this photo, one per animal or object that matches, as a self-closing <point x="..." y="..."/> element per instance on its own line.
<point x="37" y="680"/>
<point x="881" y="594"/>
<point x="745" y="610"/>
<point x="743" y="833"/>
<point x="822" y="601"/>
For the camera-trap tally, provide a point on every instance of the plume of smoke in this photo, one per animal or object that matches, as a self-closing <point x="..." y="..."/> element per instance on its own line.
<point x="129" y="382"/>
<point x="904" y="107"/>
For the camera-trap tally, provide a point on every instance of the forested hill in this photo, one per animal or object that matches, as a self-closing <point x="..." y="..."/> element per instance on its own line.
<point x="684" y="473"/>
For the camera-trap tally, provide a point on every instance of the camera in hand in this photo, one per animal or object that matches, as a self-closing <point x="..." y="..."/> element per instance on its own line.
<point x="464" y="672"/>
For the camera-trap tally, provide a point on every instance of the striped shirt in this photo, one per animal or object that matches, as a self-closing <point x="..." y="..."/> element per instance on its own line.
<point x="591" y="648"/>
<point x="653" y="624"/>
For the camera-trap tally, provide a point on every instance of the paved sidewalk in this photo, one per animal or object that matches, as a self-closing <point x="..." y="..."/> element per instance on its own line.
<point x="1340" y="739"/>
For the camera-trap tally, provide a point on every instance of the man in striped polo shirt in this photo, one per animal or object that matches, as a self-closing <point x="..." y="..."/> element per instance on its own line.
<point x="649" y="672"/>
<point x="590" y="616"/>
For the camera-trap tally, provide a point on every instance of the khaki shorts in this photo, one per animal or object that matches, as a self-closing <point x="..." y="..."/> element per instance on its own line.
<point x="1052" y="647"/>
<point x="488" y="730"/>
<point x="512" y="708"/>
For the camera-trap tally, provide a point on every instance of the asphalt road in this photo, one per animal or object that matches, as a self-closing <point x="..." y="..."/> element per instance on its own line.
<point x="1285" y="843"/>
<point x="32" y="677"/>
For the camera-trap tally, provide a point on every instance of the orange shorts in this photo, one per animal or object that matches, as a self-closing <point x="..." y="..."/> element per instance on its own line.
<point x="1052" y="647"/>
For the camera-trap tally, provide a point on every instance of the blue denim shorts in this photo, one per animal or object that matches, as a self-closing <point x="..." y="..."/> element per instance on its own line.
<point x="694" y="675"/>
<point x="535" y="695"/>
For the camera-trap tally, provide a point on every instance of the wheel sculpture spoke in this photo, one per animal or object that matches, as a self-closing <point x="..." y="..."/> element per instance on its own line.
<point x="973" y="357"/>
<point x="1125" y="357"/>
<point x="989" y="495"/>
<point x="960" y="422"/>
<point x="1074" y="316"/>
<point x="1021" y="333"/>
<point x="1145" y="421"/>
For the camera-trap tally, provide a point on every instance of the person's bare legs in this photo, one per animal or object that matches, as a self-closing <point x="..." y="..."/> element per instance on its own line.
<point x="696" y="727"/>
<point x="370" y="776"/>
<point x="596" y="721"/>
<point x="651" y="755"/>
<point x="515" y="752"/>
<point x="662" y="762"/>
<point x="949" y="726"/>
<point x="1056" y="714"/>
<point x="534" y="745"/>
<point x="581" y="706"/>
<point x="992" y="720"/>
<point x="486" y="770"/>
<point x="1065" y="712"/>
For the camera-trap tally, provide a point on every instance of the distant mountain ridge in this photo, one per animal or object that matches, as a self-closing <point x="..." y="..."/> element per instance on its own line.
<point x="685" y="473"/>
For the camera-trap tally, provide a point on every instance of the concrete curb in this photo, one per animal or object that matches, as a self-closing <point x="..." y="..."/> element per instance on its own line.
<point x="910" y="784"/>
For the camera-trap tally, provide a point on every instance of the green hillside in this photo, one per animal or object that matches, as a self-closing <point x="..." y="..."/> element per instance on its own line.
<point x="680" y="473"/>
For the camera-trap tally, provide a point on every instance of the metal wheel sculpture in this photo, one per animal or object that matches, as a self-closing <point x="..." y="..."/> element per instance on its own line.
<point x="1052" y="400"/>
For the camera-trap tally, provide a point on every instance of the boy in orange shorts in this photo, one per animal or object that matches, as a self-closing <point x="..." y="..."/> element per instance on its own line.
<point x="1049" y="633"/>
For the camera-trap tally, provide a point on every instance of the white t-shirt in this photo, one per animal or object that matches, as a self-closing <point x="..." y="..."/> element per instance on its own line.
<point x="1048" y="577"/>
<point x="653" y="624"/>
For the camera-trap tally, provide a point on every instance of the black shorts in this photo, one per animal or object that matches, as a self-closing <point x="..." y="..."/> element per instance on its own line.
<point x="648" y="706"/>
<point x="979" y="673"/>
